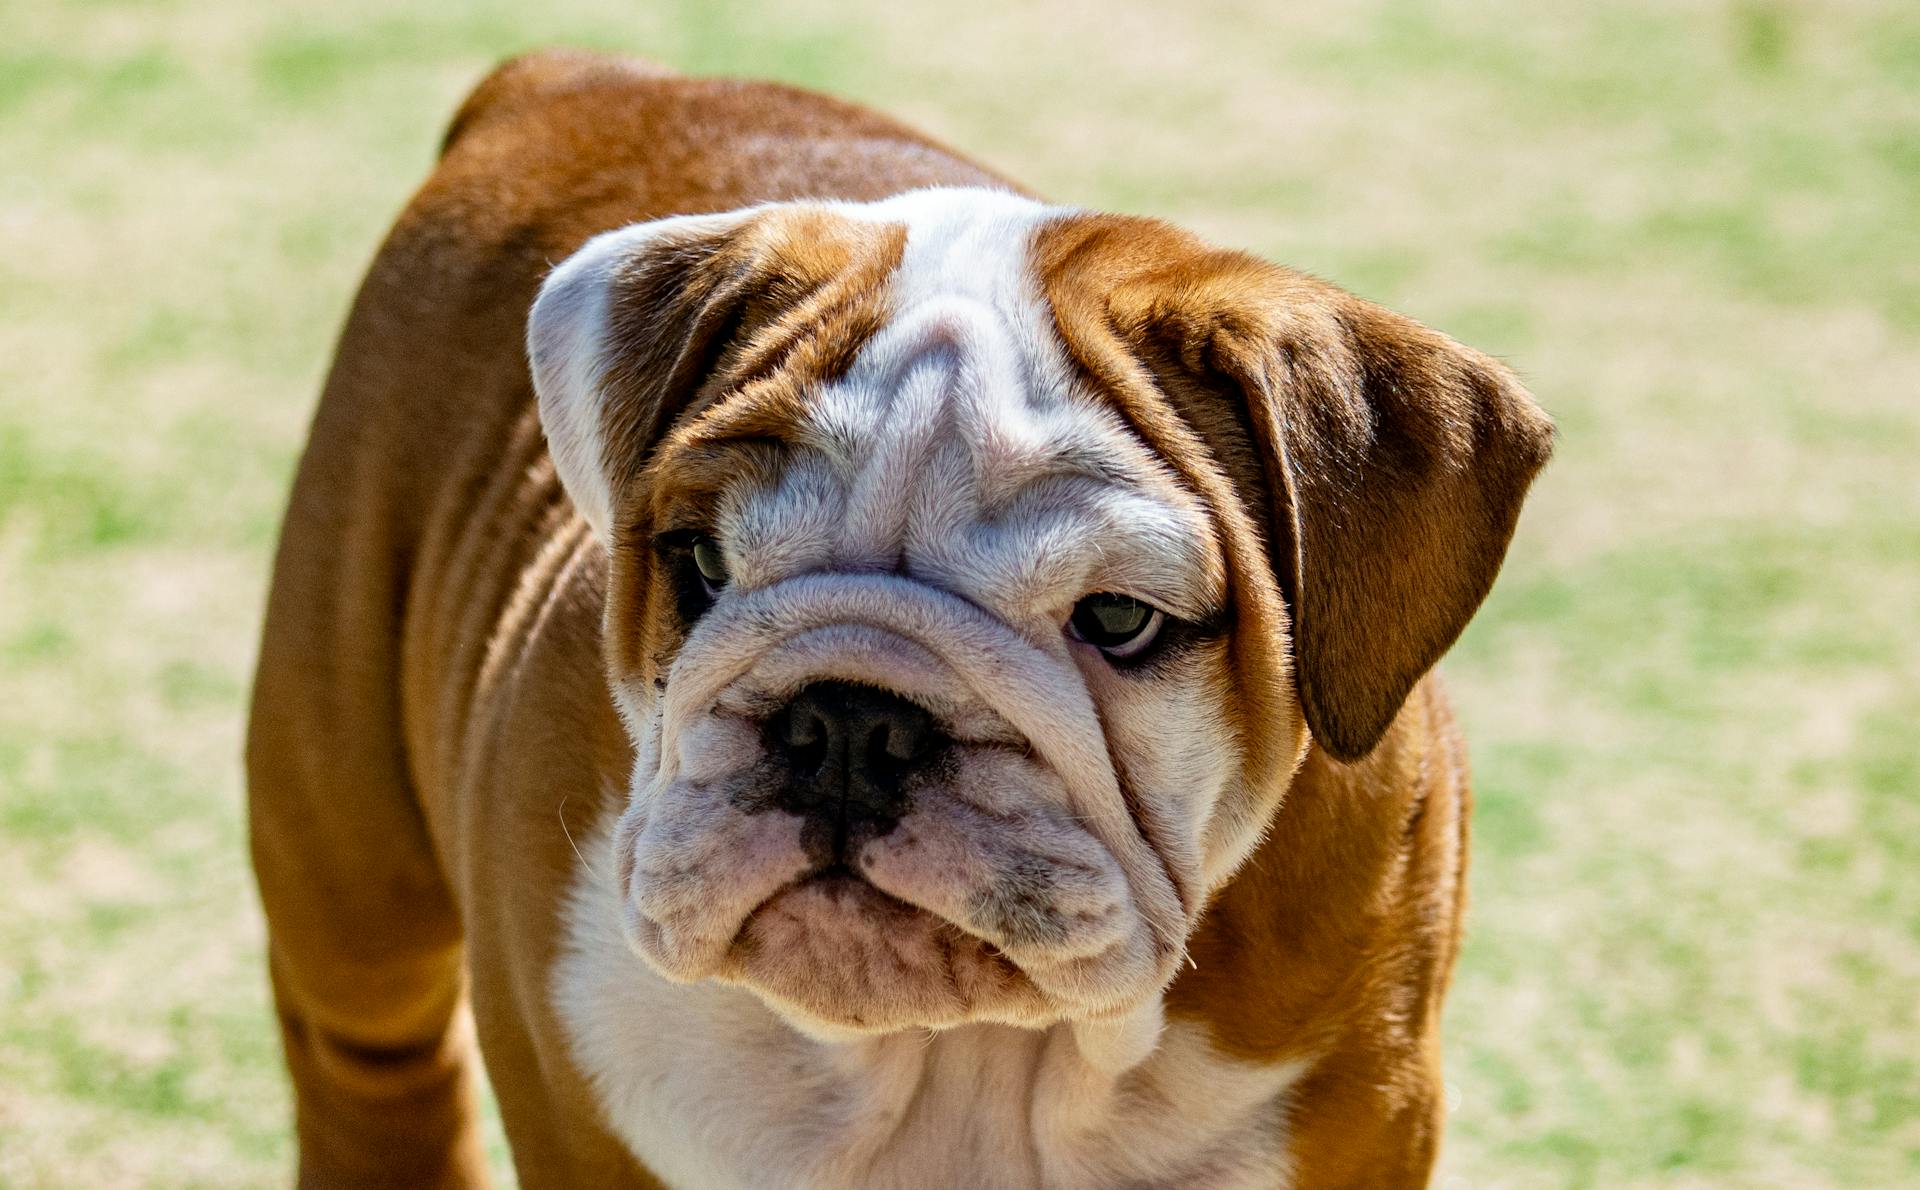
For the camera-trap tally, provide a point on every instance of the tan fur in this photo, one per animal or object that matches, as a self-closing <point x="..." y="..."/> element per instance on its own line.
<point x="799" y="292"/>
<point x="434" y="735"/>
<point x="1383" y="465"/>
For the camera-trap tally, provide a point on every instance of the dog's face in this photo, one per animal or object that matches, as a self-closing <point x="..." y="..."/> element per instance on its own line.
<point x="977" y="571"/>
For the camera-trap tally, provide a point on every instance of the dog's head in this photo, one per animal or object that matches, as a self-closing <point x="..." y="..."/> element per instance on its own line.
<point x="978" y="570"/>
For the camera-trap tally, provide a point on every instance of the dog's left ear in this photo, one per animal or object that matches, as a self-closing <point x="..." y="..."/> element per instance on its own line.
<point x="1398" y="460"/>
<point x="1394" y="460"/>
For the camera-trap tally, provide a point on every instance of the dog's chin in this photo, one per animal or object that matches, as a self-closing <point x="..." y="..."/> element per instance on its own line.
<point x="837" y="956"/>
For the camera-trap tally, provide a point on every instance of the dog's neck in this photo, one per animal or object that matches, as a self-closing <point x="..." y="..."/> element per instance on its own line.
<point x="709" y="1087"/>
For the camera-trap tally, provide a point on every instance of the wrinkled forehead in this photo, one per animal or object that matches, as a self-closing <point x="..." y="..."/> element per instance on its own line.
<point x="959" y="444"/>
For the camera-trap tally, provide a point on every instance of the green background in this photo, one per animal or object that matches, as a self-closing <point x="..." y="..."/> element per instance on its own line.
<point x="1694" y="697"/>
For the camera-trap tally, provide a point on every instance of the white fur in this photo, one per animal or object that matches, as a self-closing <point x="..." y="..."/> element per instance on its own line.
<point x="716" y="1092"/>
<point x="949" y="499"/>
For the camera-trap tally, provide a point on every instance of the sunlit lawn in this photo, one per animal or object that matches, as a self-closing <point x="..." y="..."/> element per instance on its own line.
<point x="1694" y="698"/>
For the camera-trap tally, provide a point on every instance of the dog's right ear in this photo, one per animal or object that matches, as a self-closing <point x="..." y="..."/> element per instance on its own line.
<point x="649" y="323"/>
<point x="622" y="337"/>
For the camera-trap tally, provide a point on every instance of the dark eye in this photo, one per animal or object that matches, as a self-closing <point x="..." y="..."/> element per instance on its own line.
<point x="712" y="566"/>
<point x="695" y="569"/>
<point x="1118" y="625"/>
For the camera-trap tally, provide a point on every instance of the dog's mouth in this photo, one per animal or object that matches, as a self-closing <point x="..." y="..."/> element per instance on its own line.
<point x="836" y="949"/>
<point x="832" y="890"/>
<point x="956" y="914"/>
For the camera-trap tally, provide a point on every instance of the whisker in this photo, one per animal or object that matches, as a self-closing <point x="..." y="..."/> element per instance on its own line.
<point x="561" y="813"/>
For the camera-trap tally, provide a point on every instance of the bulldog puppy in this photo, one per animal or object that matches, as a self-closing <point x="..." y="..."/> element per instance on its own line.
<point x="860" y="677"/>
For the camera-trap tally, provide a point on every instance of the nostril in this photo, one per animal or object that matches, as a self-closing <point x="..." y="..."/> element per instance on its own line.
<point x="882" y="760"/>
<point x="804" y="726"/>
<point x="899" y="736"/>
<point x="902" y="738"/>
<point x="808" y="735"/>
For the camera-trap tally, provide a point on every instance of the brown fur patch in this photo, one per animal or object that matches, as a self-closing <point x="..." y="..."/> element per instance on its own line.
<point x="1081" y="261"/>
<point x="1366" y="474"/>
<point x="1385" y="462"/>
<point x="715" y="342"/>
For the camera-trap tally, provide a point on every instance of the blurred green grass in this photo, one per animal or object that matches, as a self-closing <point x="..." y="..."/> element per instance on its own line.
<point x="1694" y="698"/>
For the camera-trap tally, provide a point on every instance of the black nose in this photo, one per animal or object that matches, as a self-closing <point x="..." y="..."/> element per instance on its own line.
<point x="849" y="750"/>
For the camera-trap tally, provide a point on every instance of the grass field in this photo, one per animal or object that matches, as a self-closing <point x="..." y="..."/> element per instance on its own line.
<point x="1694" y="698"/>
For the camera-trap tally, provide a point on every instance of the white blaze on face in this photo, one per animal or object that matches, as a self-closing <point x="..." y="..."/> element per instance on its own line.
<point x="939" y="512"/>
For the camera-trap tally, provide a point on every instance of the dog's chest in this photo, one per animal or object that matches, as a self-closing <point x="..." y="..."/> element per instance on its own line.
<point x="713" y="1092"/>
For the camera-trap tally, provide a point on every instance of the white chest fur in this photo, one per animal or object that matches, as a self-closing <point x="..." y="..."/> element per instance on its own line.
<point x="714" y="1092"/>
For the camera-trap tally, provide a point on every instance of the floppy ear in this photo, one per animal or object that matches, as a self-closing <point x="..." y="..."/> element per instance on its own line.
<point x="1398" y="461"/>
<point x="622" y="335"/>
<point x="634" y="329"/>
<point x="1395" y="460"/>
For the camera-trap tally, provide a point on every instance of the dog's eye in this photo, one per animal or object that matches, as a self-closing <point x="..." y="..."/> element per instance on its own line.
<point x="711" y="564"/>
<point x="1118" y="625"/>
<point x="695" y="570"/>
